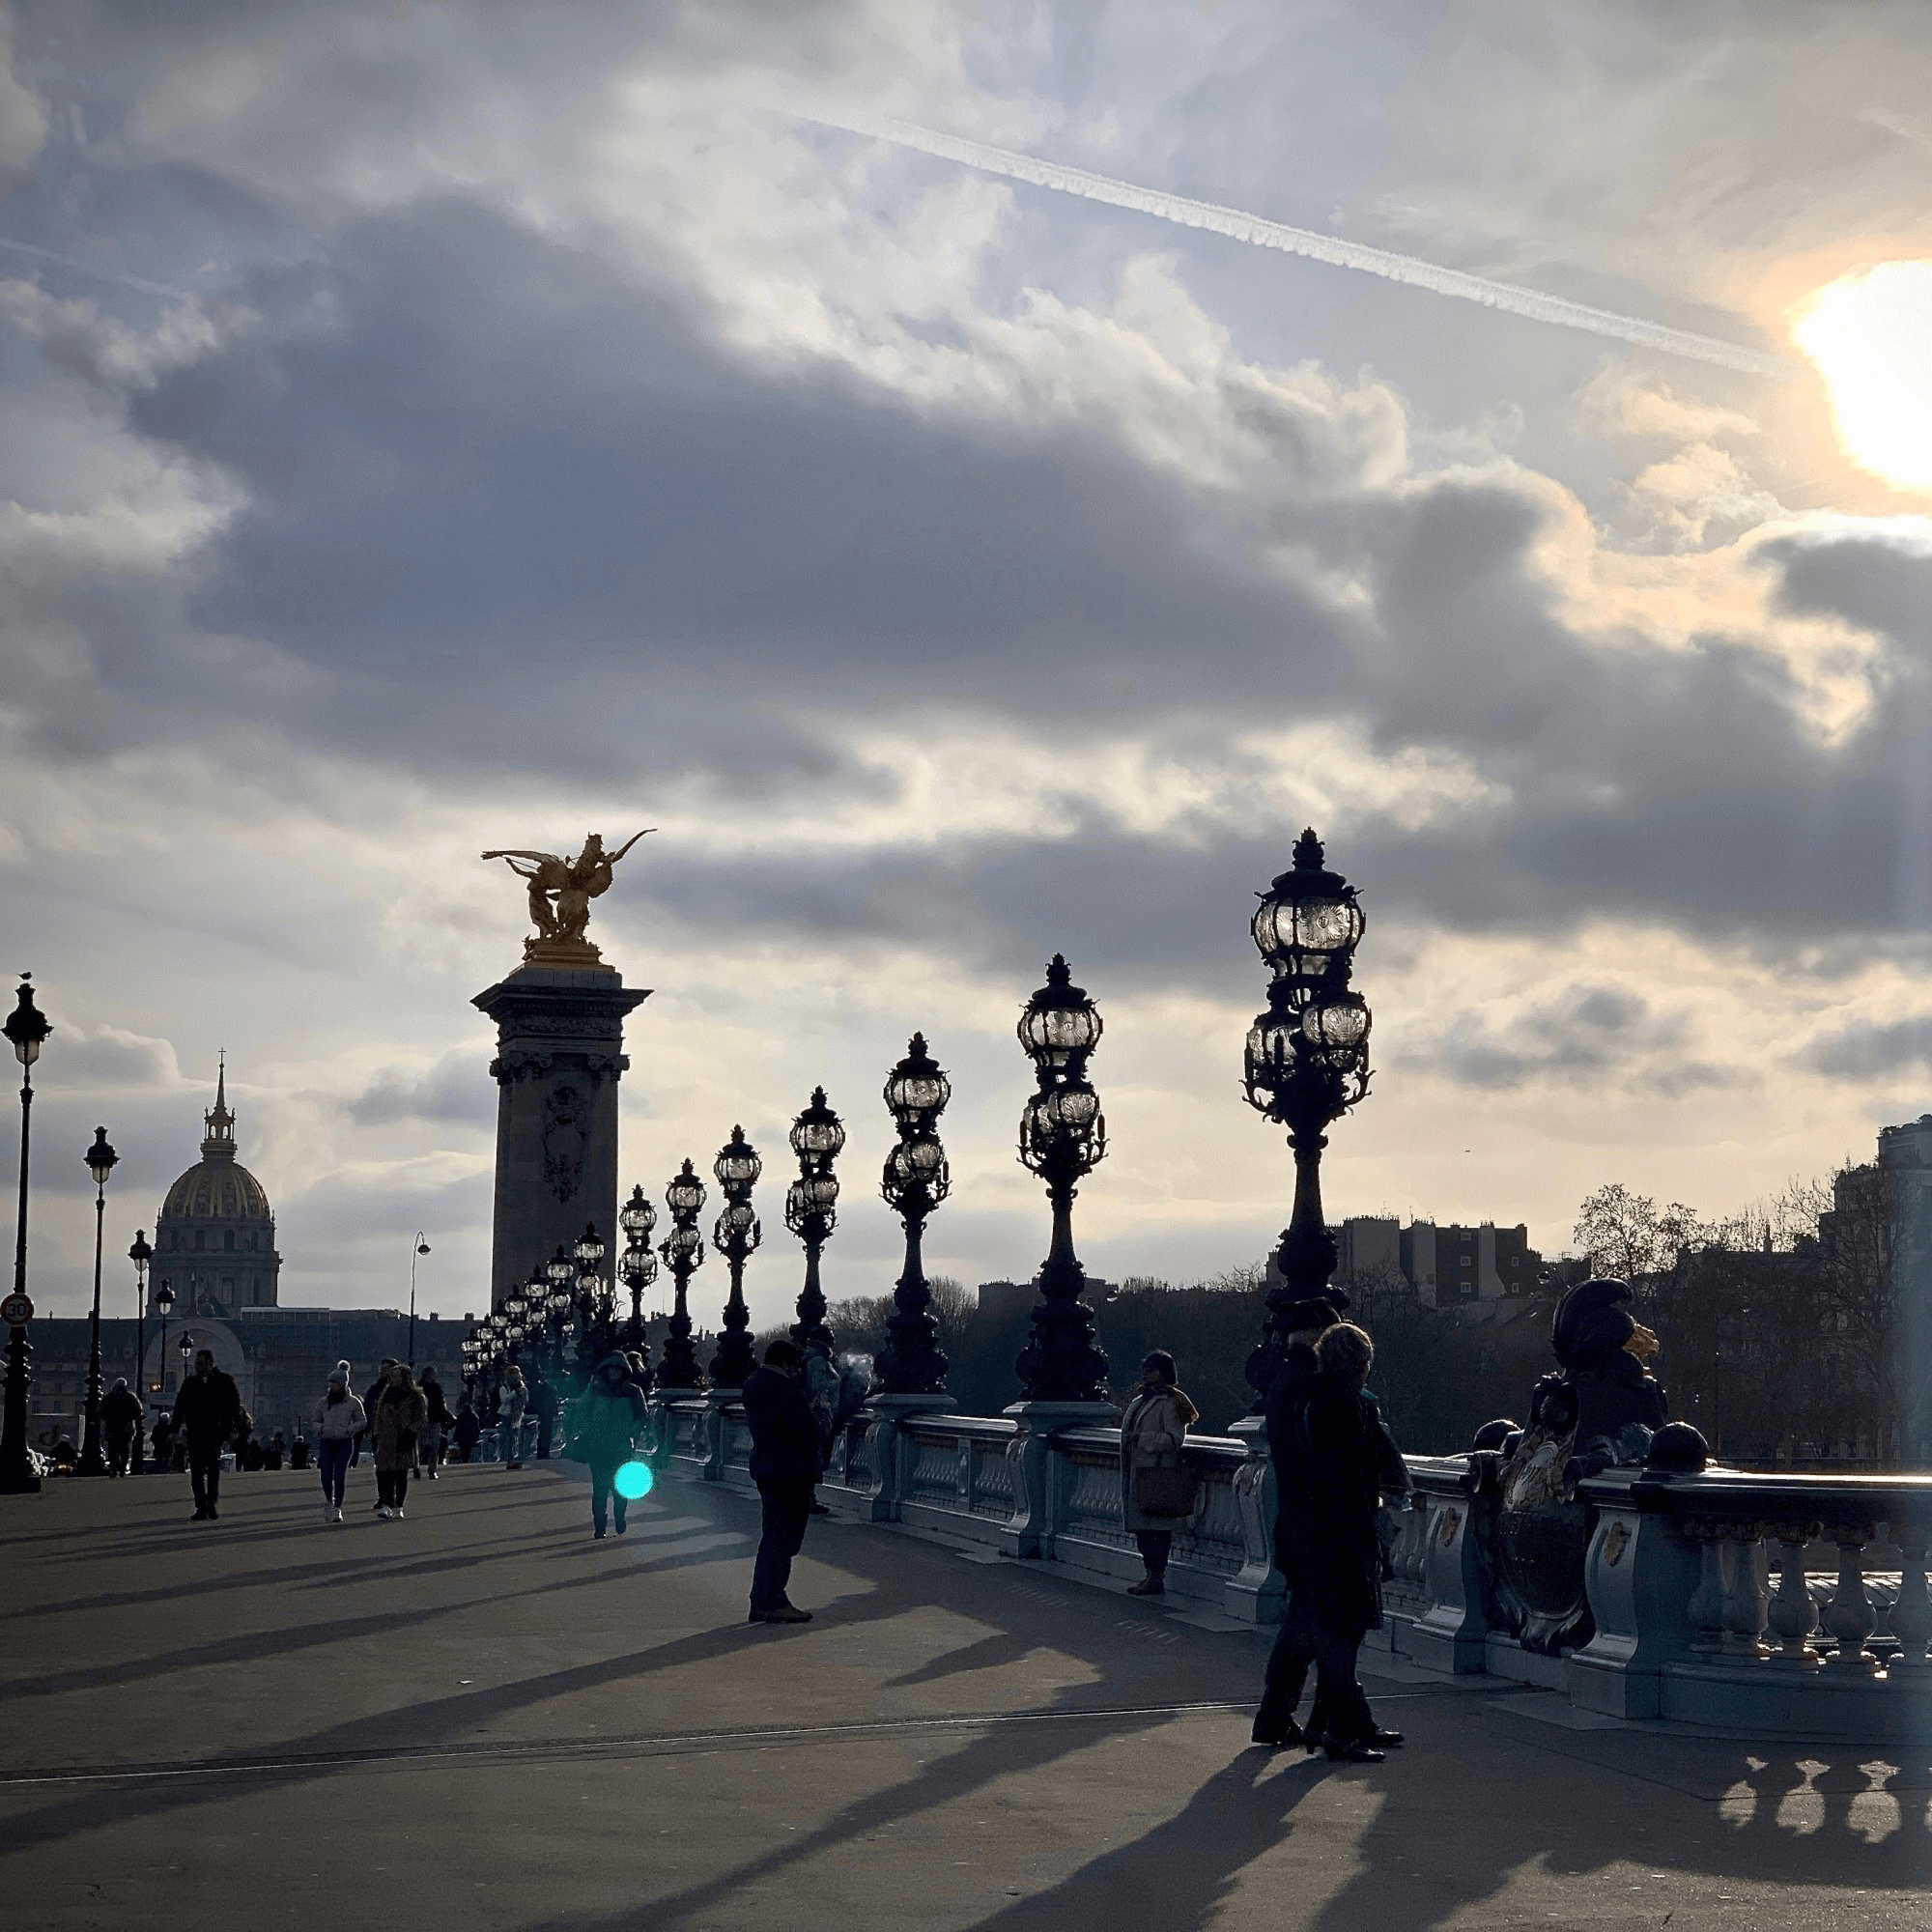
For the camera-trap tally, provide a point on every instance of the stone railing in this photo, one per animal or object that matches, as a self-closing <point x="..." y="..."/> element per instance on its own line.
<point x="1791" y="1605"/>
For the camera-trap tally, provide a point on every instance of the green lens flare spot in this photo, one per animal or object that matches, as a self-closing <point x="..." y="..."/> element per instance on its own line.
<point x="634" y="1480"/>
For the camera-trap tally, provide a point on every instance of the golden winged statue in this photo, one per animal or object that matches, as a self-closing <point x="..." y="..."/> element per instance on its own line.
<point x="560" y="893"/>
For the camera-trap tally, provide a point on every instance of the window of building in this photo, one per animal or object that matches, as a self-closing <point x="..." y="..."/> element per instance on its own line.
<point x="200" y="1240"/>
<point x="228" y="1241"/>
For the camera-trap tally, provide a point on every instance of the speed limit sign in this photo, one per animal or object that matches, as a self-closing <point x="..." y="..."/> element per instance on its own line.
<point x="16" y="1310"/>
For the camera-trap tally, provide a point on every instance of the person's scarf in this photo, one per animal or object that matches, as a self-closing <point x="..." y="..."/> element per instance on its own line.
<point x="1184" y="1409"/>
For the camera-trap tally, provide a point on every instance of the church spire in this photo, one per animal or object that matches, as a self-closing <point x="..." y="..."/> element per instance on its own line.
<point x="220" y="1122"/>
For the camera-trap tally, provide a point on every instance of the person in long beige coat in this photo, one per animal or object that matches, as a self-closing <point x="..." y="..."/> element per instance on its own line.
<point x="1151" y="1434"/>
<point x="395" y="1419"/>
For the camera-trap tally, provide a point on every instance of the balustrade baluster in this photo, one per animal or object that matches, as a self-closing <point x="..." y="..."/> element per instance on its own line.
<point x="1791" y="1614"/>
<point x="1707" y="1600"/>
<point x="1848" y="1616"/>
<point x="1744" y="1599"/>
<point x="1912" y="1613"/>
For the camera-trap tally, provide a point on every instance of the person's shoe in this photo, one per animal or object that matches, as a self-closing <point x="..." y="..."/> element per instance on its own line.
<point x="335" y="1516"/>
<point x="787" y="1613"/>
<point x="1386" y="1739"/>
<point x="214" y="1516"/>
<point x="1277" y="1737"/>
<point x="621" y="1525"/>
<point x="597" y="1532"/>
<point x="384" y="1512"/>
<point x="1357" y="1751"/>
<point x="200" y="1516"/>
<point x="513" y="1466"/>
<point x="396" y="1514"/>
<point x="1149" y="1586"/>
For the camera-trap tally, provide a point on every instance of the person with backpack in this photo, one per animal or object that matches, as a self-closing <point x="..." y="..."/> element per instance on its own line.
<point x="339" y="1421"/>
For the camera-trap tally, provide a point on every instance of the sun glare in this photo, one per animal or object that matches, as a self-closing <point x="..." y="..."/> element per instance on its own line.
<point x="1871" y="335"/>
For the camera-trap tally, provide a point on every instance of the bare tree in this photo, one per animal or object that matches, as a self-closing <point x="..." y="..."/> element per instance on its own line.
<point x="1628" y="1236"/>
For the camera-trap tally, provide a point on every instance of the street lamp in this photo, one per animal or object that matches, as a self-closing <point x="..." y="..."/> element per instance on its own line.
<point x="736" y="1236"/>
<point x="418" y="1250"/>
<point x="683" y="1252"/>
<point x="1062" y="1139"/>
<point x="140" y="1254"/>
<point x="27" y="1028"/>
<point x="1306" y="1064"/>
<point x="914" y="1182"/>
<point x="817" y="1138"/>
<point x="639" y="1267"/>
<point x="101" y="1160"/>
<point x="164" y="1300"/>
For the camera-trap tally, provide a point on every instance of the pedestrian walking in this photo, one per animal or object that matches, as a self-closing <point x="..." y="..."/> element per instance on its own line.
<point x="208" y="1411"/>
<point x="369" y="1396"/>
<point x="1342" y="1462"/>
<point x="340" y="1422"/>
<point x="1155" y="1490"/>
<point x="784" y="1464"/>
<point x="511" y="1403"/>
<point x="394" y="1423"/>
<point x="121" y="1424"/>
<point x="162" y="1436"/>
<point x="437" y="1428"/>
<point x="820" y="1378"/>
<point x="274" y="1449"/>
<point x="544" y="1406"/>
<point x="605" y="1422"/>
<point x="468" y="1430"/>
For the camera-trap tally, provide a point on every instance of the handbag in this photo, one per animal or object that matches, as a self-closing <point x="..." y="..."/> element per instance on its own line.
<point x="1166" y="1493"/>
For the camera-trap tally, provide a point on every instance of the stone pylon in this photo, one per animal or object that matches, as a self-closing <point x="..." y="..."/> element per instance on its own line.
<point x="559" y="1053"/>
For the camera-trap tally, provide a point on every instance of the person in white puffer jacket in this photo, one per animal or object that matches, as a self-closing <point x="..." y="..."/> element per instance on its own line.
<point x="339" y="1418"/>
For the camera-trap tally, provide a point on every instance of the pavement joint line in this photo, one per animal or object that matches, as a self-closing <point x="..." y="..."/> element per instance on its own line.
<point x="644" y="1741"/>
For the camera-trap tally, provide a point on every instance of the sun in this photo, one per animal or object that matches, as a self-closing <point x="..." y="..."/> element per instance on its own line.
<point x="1870" y="335"/>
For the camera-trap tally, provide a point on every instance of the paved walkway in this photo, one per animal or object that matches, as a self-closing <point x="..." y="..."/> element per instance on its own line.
<point x="478" y="1717"/>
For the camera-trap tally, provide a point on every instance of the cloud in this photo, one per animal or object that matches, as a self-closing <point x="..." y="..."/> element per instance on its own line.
<point x="1874" y="1050"/>
<point x="457" y="1090"/>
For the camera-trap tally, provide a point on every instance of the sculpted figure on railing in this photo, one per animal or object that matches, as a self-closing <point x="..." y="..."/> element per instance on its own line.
<point x="1597" y="1411"/>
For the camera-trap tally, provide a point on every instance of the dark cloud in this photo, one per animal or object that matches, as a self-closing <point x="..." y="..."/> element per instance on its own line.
<point x="456" y="1091"/>
<point x="1874" y="1050"/>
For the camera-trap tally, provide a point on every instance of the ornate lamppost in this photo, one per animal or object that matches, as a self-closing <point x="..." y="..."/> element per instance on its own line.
<point x="817" y="1138"/>
<point x="1307" y="1063"/>
<point x="736" y="1236"/>
<point x="140" y="1254"/>
<point x="683" y="1252"/>
<point x="101" y="1160"/>
<point x="595" y="1299"/>
<point x="27" y="1028"/>
<point x="638" y="1267"/>
<point x="1062" y="1139"/>
<point x="914" y="1182"/>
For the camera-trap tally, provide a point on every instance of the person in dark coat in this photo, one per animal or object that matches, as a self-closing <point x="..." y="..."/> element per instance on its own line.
<point x="436" y="1431"/>
<point x="121" y="1424"/>
<point x="605" y="1421"/>
<point x="544" y="1406"/>
<point x="784" y="1465"/>
<point x="274" y="1450"/>
<point x="467" y="1430"/>
<point x="163" y="1434"/>
<point x="208" y="1411"/>
<point x="1343" y="1461"/>
<point x="1289" y="1661"/>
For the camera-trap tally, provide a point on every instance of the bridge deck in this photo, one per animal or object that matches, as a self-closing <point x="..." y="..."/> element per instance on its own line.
<point x="492" y="1721"/>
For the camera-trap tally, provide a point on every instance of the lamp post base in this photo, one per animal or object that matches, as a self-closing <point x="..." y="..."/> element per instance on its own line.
<point x="16" y="1472"/>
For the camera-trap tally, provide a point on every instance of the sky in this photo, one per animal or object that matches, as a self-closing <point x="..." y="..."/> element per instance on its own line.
<point x="433" y="428"/>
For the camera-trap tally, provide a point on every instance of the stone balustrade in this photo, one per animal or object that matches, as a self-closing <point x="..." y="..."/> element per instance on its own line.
<point x="1786" y="1605"/>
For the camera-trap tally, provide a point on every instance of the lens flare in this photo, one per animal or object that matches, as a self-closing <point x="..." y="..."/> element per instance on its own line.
<point x="633" y="1480"/>
<point x="1870" y="335"/>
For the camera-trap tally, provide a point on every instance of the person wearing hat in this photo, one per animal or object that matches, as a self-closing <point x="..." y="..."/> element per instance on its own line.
<point x="121" y="1422"/>
<point x="339" y="1419"/>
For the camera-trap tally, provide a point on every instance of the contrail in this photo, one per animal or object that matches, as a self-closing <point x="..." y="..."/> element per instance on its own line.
<point x="101" y="274"/>
<point x="1260" y="234"/>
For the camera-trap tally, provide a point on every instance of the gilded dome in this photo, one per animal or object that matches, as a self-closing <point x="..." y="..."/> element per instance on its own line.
<point x="218" y="1188"/>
